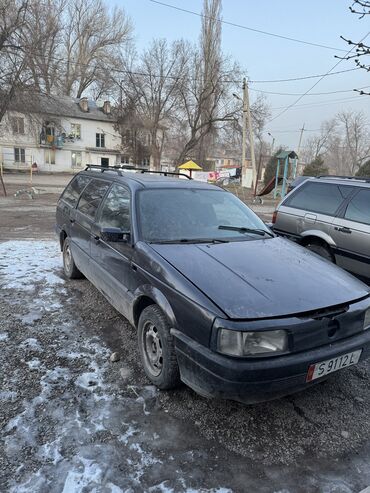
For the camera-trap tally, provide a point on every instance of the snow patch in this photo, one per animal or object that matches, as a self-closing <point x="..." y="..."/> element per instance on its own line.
<point x="26" y="261"/>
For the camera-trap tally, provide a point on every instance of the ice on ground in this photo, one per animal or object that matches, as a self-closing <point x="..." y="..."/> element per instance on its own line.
<point x="31" y="343"/>
<point x="21" y="267"/>
<point x="34" y="364"/>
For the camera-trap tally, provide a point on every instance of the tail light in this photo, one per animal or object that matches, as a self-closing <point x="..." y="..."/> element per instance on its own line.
<point x="274" y="217"/>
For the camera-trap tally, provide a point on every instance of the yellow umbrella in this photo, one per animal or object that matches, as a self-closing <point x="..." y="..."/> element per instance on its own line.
<point x="190" y="165"/>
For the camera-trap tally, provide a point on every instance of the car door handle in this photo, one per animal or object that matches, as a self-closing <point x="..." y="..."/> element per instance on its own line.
<point x="343" y="230"/>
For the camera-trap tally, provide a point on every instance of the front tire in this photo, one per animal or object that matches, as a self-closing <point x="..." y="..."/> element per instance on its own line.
<point x="157" y="349"/>
<point x="69" y="266"/>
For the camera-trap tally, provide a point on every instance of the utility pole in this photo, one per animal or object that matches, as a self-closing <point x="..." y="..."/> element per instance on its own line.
<point x="247" y="118"/>
<point x="300" y="139"/>
<point x="299" y="148"/>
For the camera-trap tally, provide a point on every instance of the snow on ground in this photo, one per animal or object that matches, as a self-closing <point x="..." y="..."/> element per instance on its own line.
<point x="72" y="429"/>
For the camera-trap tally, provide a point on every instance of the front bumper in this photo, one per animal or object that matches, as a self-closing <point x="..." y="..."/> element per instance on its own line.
<point x="254" y="380"/>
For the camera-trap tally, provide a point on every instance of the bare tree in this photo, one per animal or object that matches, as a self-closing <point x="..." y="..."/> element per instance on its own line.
<point x="42" y="38"/>
<point x="355" y="140"/>
<point x="12" y="51"/>
<point x="152" y="86"/>
<point x="93" y="43"/>
<point x="210" y="64"/>
<point x="318" y="145"/>
<point x="362" y="50"/>
<point x="216" y="96"/>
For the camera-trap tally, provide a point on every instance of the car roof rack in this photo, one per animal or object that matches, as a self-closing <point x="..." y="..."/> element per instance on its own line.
<point x="358" y="178"/>
<point x="118" y="169"/>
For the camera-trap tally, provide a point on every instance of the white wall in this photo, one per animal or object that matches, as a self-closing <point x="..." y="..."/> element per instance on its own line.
<point x="34" y="152"/>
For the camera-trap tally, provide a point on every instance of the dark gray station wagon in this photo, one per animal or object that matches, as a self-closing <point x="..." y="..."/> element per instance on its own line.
<point x="219" y="301"/>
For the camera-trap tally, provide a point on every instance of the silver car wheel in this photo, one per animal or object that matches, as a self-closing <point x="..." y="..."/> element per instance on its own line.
<point x="67" y="258"/>
<point x="152" y="347"/>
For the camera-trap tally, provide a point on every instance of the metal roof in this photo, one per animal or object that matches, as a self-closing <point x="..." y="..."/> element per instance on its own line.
<point x="59" y="106"/>
<point x="285" y="154"/>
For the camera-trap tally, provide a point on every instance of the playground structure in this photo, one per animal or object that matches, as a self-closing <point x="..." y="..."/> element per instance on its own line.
<point x="279" y="184"/>
<point x="289" y="158"/>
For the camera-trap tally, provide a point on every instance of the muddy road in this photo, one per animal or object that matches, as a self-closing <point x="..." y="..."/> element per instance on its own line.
<point x="72" y="421"/>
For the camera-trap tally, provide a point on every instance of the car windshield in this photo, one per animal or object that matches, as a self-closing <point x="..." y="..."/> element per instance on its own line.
<point x="182" y="215"/>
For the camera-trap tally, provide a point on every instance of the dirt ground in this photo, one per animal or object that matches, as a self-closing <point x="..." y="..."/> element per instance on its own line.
<point x="72" y="421"/>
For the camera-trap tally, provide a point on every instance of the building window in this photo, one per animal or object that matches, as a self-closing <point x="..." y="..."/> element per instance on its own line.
<point x="100" y="140"/>
<point x="76" y="159"/>
<point x="127" y="138"/>
<point x="125" y="160"/>
<point x="49" y="156"/>
<point x="145" y="161"/>
<point x="76" y="130"/>
<point x="19" y="155"/>
<point x="17" y="124"/>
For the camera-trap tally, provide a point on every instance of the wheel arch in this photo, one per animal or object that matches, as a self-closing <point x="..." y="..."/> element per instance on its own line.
<point x="149" y="295"/>
<point x="317" y="237"/>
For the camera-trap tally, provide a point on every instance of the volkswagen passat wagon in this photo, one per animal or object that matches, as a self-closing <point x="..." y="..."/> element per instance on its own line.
<point x="219" y="301"/>
<point x="331" y="216"/>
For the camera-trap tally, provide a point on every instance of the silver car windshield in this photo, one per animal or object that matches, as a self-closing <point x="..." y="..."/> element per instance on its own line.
<point x="185" y="215"/>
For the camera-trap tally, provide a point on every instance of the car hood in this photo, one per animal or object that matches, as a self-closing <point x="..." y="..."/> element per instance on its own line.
<point x="263" y="278"/>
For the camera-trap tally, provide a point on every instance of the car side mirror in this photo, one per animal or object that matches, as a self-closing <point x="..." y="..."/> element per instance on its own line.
<point x="114" y="235"/>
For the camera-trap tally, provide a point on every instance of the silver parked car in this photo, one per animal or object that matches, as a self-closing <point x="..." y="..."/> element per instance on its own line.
<point x="330" y="215"/>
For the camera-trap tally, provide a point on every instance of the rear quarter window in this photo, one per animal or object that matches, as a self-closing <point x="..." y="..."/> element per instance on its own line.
<point x="358" y="209"/>
<point x="324" y="198"/>
<point x="72" y="192"/>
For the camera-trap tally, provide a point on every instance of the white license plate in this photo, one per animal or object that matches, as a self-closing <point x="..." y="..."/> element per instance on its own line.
<point x="318" y="370"/>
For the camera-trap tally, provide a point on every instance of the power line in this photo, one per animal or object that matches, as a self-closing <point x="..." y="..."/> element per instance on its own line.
<point x="311" y="94"/>
<point x="292" y="131"/>
<point x="323" y="103"/>
<point x="174" y="77"/>
<point x="317" y="82"/>
<point x="266" y="33"/>
<point x="293" y="79"/>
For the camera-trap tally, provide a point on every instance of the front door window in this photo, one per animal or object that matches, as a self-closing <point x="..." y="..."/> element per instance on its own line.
<point x="115" y="212"/>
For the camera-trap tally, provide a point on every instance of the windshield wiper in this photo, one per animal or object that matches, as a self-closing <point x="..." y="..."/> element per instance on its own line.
<point x="191" y="240"/>
<point x="260" y="232"/>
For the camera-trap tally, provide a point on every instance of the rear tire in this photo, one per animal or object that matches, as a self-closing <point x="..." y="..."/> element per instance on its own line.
<point x="157" y="349"/>
<point x="321" y="250"/>
<point x="69" y="266"/>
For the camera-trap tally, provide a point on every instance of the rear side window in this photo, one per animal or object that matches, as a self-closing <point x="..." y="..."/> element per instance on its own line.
<point x="359" y="208"/>
<point x="324" y="198"/>
<point x="74" y="189"/>
<point x="92" y="196"/>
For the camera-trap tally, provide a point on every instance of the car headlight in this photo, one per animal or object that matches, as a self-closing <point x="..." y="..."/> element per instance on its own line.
<point x="236" y="343"/>
<point x="367" y="319"/>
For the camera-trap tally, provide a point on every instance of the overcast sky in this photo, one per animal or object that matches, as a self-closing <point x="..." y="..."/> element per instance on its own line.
<point x="270" y="58"/>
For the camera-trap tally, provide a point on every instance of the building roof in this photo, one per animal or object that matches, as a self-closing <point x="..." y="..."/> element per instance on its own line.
<point x="58" y="106"/>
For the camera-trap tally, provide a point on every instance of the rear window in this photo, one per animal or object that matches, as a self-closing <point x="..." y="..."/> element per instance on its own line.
<point x="74" y="189"/>
<point x="359" y="208"/>
<point x="92" y="196"/>
<point x="324" y="198"/>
